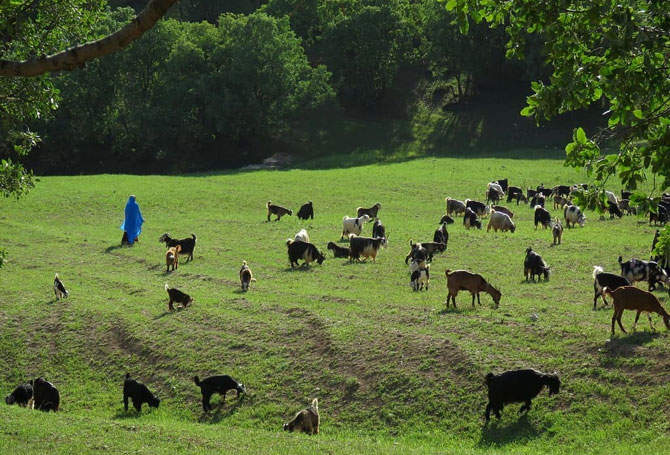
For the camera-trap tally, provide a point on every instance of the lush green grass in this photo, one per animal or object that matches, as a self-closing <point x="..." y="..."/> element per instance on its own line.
<point x="393" y="370"/>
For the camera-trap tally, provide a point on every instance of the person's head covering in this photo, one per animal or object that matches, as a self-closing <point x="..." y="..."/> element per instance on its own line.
<point x="132" y="223"/>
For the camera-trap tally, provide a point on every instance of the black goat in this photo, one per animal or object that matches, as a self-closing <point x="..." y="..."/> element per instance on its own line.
<point x="446" y="219"/>
<point x="517" y="386"/>
<point x="187" y="245"/>
<point x="138" y="393"/>
<point x="217" y="384"/>
<point x="306" y="211"/>
<point x="378" y="229"/>
<point x="21" y="395"/>
<point x="604" y="279"/>
<point x="614" y="210"/>
<point x="339" y="251"/>
<point x="533" y="265"/>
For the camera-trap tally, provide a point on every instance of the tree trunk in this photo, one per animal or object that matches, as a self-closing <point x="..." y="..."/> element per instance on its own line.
<point x="78" y="56"/>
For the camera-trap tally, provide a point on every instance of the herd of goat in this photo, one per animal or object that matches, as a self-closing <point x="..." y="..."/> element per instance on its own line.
<point x="507" y="387"/>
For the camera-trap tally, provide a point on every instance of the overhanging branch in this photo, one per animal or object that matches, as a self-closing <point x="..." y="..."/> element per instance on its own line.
<point x="78" y="56"/>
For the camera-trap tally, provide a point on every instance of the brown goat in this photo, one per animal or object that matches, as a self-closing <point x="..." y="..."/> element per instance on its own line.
<point x="462" y="280"/>
<point x="632" y="298"/>
<point x="172" y="257"/>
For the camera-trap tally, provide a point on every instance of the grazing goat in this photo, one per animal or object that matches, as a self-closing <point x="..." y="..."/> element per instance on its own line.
<point x="187" y="245"/>
<point x="517" y="386"/>
<point x="298" y="250"/>
<point x="177" y="296"/>
<point x="605" y="280"/>
<point x="45" y="395"/>
<point x="441" y="235"/>
<point x="433" y="248"/>
<point x="561" y="190"/>
<point x="417" y="253"/>
<point x="624" y="206"/>
<point x="536" y="200"/>
<point x="246" y="277"/>
<point x="365" y="246"/>
<point x="632" y="298"/>
<point x="533" y="264"/>
<point x="611" y="197"/>
<point x="278" y="211"/>
<point x="22" y="395"/>
<point x="454" y="206"/>
<point x="339" y="251"/>
<point x="503" y="209"/>
<point x="492" y="196"/>
<point x="172" y="258"/>
<point x="302" y="236"/>
<point x="460" y="280"/>
<point x="560" y="202"/>
<point x="500" y="221"/>
<point x="306" y="211"/>
<point x="470" y="219"/>
<point x="557" y="231"/>
<point x="638" y="270"/>
<point x="479" y="208"/>
<point x="542" y="217"/>
<point x="139" y="394"/>
<point x="446" y="219"/>
<point x="59" y="288"/>
<point x="420" y="278"/>
<point x="504" y="184"/>
<point x="353" y="225"/>
<point x="516" y="193"/>
<point x="378" y="229"/>
<point x="573" y="215"/>
<point x="614" y="210"/>
<point x="660" y="216"/>
<point x="371" y="212"/>
<point x="626" y="194"/>
<point x="217" y="384"/>
<point x="306" y="420"/>
<point x="546" y="192"/>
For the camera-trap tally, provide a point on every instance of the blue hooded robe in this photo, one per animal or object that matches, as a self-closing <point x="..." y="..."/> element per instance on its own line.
<point x="132" y="224"/>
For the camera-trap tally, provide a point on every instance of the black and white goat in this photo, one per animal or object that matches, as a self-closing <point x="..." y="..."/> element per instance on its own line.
<point x="605" y="280"/>
<point x="378" y="229"/>
<point x="533" y="265"/>
<point x="638" y="270"/>
<point x="59" y="288"/>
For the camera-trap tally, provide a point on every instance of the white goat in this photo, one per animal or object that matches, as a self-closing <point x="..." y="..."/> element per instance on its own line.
<point x="353" y="225"/>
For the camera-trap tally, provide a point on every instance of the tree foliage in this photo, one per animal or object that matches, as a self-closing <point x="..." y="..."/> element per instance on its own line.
<point x="614" y="54"/>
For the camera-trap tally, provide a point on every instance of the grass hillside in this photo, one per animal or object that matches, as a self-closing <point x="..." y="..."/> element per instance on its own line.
<point x="393" y="370"/>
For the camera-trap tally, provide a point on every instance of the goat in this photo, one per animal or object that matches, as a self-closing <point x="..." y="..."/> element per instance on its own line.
<point x="378" y="229"/>
<point x="546" y="192"/>
<point x="660" y="216"/>
<point x="517" y="386"/>
<point x="459" y="280"/>
<point x="441" y="235"/>
<point x="479" y="208"/>
<point x="470" y="219"/>
<point x="561" y="190"/>
<point x="45" y="395"/>
<point x="514" y="192"/>
<point x="420" y="278"/>
<point x="624" y="206"/>
<point x="560" y="202"/>
<point x="339" y="251"/>
<point x="536" y="200"/>
<point x="446" y="219"/>
<point x="614" y="210"/>
<point x="638" y="270"/>
<point x="22" y="395"/>
<point x="533" y="264"/>
<point x="306" y="211"/>
<point x="557" y="231"/>
<point x="574" y="215"/>
<point x="371" y="212"/>
<point x="217" y="384"/>
<point x="504" y="184"/>
<point x="139" y="394"/>
<point x="605" y="280"/>
<point x="632" y="298"/>
<point x="172" y="258"/>
<point x="626" y="194"/>
<point x="177" y="296"/>
<point x="302" y="236"/>
<point x="500" y="221"/>
<point x="503" y="209"/>
<point x="278" y="211"/>
<point x="365" y="246"/>
<point x="454" y="206"/>
<point x="611" y="197"/>
<point x="353" y="225"/>
<point x="298" y="250"/>
<point x="59" y="288"/>
<point x="542" y="217"/>
<point x="246" y="277"/>
<point x="187" y="245"/>
<point x="306" y="420"/>
<point x="492" y="196"/>
<point x="417" y="253"/>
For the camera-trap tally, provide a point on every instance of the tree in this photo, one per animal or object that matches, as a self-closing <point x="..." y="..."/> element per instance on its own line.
<point x="614" y="54"/>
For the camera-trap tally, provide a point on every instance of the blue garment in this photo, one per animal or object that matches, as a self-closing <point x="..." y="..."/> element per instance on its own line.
<point x="132" y="224"/>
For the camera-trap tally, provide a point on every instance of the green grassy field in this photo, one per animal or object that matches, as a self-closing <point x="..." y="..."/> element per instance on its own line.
<point x="393" y="370"/>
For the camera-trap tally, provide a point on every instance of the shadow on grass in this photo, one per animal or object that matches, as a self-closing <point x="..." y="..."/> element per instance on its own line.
<point x="300" y="268"/>
<point x="111" y="248"/>
<point x="622" y="345"/>
<point x="131" y="413"/>
<point x="222" y="411"/>
<point x="495" y="434"/>
<point x="163" y="314"/>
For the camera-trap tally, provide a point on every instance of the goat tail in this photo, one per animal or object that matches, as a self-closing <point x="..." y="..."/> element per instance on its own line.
<point x="253" y="279"/>
<point x="447" y="272"/>
<point x="620" y="260"/>
<point x="195" y="239"/>
<point x="166" y="286"/>
<point x="196" y="380"/>
<point x="56" y="277"/>
<point x="315" y="404"/>
<point x="244" y="263"/>
<point x="268" y="204"/>
<point x="607" y="291"/>
<point x="596" y="270"/>
<point x="127" y="375"/>
<point x="288" y="242"/>
<point x="489" y="378"/>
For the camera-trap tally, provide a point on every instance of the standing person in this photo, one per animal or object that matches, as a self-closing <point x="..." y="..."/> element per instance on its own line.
<point x="132" y="224"/>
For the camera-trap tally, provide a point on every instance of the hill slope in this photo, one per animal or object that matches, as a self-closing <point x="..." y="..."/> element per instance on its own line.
<point x="393" y="370"/>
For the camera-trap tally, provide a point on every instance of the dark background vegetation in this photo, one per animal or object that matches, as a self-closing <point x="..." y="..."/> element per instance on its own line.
<point x="222" y="84"/>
